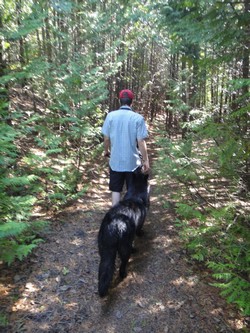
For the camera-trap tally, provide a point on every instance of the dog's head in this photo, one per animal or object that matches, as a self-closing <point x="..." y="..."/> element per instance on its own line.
<point x="140" y="189"/>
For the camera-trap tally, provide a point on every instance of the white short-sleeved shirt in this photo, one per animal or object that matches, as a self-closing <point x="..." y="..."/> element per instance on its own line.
<point x="124" y="127"/>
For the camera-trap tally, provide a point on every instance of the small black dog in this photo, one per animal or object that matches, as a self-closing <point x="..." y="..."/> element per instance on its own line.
<point x="118" y="229"/>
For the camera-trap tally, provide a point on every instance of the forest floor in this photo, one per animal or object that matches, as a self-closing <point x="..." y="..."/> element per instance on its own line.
<point x="55" y="289"/>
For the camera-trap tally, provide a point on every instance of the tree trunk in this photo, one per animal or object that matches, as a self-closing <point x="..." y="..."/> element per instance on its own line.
<point x="4" y="98"/>
<point x="246" y="51"/>
<point x="21" y="40"/>
<point x="184" y="97"/>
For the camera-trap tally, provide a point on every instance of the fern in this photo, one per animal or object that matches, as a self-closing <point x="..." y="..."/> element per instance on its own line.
<point x="23" y="250"/>
<point x="17" y="235"/>
<point x="217" y="236"/>
<point x="10" y="229"/>
<point x="11" y="250"/>
<point x="17" y="239"/>
<point x="18" y="181"/>
<point x="188" y="211"/>
<point x="235" y="289"/>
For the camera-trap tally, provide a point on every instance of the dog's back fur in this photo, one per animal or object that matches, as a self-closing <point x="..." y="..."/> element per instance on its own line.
<point x="118" y="229"/>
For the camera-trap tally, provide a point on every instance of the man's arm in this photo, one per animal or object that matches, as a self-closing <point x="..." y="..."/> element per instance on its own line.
<point x="106" y="146"/>
<point x="143" y="149"/>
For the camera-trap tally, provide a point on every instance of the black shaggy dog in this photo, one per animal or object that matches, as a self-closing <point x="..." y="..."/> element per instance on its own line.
<point x="118" y="229"/>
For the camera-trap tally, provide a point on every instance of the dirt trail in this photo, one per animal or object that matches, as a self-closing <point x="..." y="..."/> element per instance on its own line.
<point x="56" y="289"/>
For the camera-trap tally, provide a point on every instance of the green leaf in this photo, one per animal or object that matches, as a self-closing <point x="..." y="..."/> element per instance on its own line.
<point x="9" y="229"/>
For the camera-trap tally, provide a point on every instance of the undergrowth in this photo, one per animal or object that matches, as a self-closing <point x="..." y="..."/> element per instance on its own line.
<point x="42" y="169"/>
<point x="211" y="218"/>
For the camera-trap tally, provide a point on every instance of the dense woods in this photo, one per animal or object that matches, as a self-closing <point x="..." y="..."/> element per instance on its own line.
<point x="62" y="64"/>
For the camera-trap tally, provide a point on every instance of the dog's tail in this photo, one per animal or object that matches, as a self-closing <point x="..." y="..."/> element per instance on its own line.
<point x="106" y="270"/>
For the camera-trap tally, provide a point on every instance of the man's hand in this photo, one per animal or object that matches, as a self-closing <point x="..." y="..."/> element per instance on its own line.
<point x="145" y="166"/>
<point x="106" y="146"/>
<point x="143" y="149"/>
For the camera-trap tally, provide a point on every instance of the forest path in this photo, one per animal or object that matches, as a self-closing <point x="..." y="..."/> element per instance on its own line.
<point x="56" y="289"/>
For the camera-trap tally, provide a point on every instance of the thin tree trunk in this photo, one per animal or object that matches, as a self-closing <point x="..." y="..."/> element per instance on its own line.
<point x="21" y="40"/>
<point x="184" y="97"/>
<point x="4" y="98"/>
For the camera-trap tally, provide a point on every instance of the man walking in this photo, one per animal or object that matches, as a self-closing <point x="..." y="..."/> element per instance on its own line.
<point x="124" y="133"/>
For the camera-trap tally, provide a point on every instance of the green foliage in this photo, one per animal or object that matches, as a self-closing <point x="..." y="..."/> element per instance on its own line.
<point x="198" y="22"/>
<point x="223" y="243"/>
<point x="190" y="212"/>
<point x="234" y="287"/>
<point x="3" y="320"/>
<point x="17" y="235"/>
<point x="216" y="236"/>
<point x="17" y="239"/>
<point x="11" y="250"/>
<point x="44" y="148"/>
<point x="231" y="151"/>
<point x="10" y="229"/>
<point x="8" y="150"/>
<point x="176" y="160"/>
